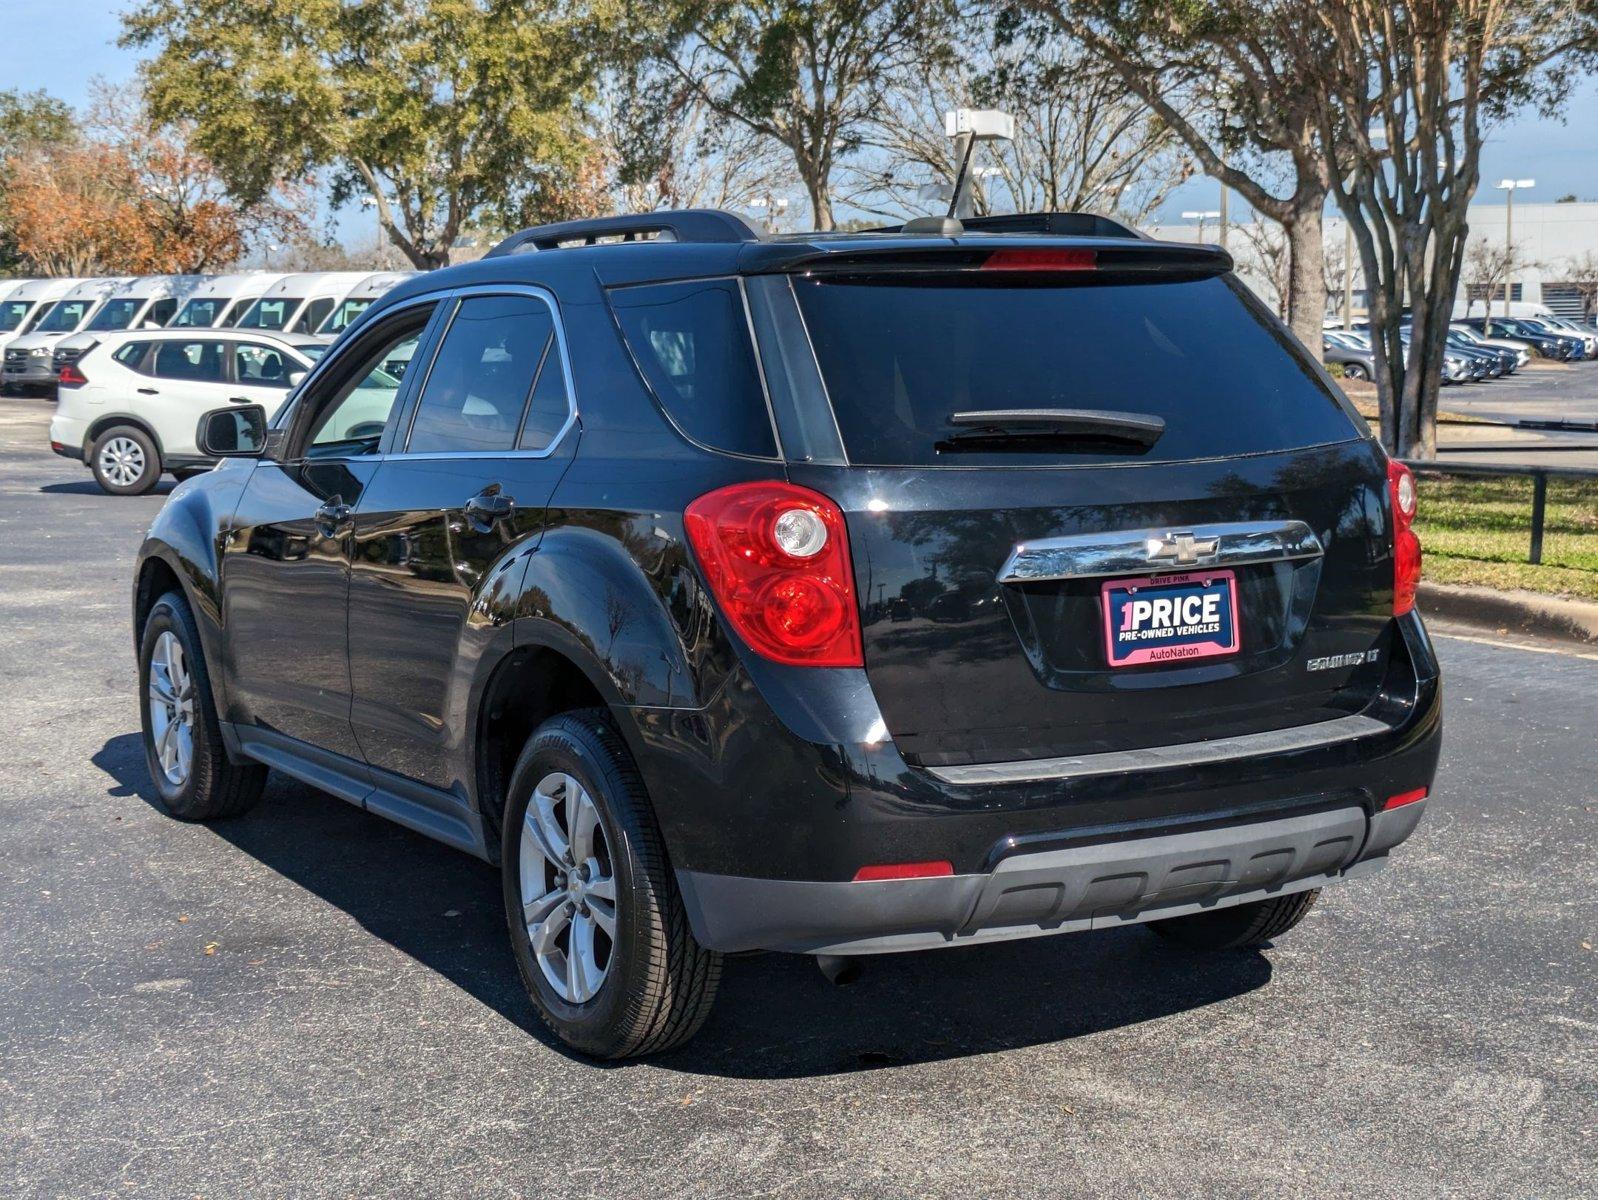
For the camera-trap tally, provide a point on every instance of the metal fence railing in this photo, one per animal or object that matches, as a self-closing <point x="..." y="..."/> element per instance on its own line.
<point x="1539" y="485"/>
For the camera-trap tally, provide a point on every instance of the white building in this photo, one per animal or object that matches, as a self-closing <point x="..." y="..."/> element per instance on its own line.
<point x="1548" y="236"/>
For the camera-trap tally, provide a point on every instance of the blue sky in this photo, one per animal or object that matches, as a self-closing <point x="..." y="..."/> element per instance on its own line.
<point x="60" y="45"/>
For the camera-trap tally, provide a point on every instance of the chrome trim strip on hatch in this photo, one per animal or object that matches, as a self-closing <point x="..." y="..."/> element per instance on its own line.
<point x="1150" y="758"/>
<point x="1228" y="544"/>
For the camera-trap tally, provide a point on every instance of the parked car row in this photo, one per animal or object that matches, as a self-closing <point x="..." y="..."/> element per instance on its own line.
<point x="49" y="324"/>
<point x="1468" y="358"/>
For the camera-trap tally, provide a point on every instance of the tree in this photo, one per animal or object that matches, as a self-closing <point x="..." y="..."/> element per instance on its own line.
<point x="810" y="75"/>
<point x="1230" y="86"/>
<point x="30" y="123"/>
<point x="1082" y="141"/>
<point x="1266" y="260"/>
<point x="1489" y="266"/>
<point x="1407" y="88"/>
<point x="447" y="113"/>
<point x="69" y="209"/>
<point x="1581" y="272"/>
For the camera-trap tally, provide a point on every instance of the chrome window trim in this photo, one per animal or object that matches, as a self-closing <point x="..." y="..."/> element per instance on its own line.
<point x="1132" y="551"/>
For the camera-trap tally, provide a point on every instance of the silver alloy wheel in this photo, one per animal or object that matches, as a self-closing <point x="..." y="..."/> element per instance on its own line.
<point x="122" y="461"/>
<point x="172" y="709"/>
<point x="568" y="888"/>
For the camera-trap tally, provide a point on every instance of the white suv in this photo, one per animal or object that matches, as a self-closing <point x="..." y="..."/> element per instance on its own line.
<point x="129" y="407"/>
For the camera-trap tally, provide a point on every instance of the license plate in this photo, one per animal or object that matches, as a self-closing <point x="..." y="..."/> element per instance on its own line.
<point x="1170" y="618"/>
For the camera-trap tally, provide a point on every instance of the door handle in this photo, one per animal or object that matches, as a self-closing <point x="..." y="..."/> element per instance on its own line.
<point x="332" y="515"/>
<point x="238" y="400"/>
<point x="149" y="392"/>
<point x="489" y="507"/>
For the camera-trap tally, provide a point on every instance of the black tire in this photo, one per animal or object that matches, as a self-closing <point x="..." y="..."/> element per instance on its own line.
<point x="214" y="786"/>
<point x="130" y="445"/>
<point x="659" y="983"/>
<point x="1239" y="926"/>
<point x="1355" y="371"/>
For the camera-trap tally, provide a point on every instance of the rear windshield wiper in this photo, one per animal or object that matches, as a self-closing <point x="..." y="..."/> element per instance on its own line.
<point x="1045" y="428"/>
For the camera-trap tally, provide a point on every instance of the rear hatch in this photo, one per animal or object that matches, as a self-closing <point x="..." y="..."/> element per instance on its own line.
<point x="1094" y="509"/>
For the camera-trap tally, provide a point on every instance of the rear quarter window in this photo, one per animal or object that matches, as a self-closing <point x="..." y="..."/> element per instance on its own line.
<point x="691" y="343"/>
<point x="900" y="358"/>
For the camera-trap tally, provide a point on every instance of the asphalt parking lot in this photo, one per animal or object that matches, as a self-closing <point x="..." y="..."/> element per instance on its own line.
<point x="309" y="1001"/>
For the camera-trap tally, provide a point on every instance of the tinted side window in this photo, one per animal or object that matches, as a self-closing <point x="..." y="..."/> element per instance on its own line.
<point x="691" y="341"/>
<point x="480" y="381"/>
<point x="160" y="312"/>
<point x="260" y="366"/>
<point x="131" y="354"/>
<point x="549" y="409"/>
<point x="315" y="313"/>
<point x="200" y="362"/>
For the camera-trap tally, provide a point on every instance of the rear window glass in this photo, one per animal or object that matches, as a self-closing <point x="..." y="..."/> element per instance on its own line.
<point x="691" y="341"/>
<point x="899" y="359"/>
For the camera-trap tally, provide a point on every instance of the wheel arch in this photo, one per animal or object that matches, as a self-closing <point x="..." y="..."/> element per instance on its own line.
<point x="100" y="425"/>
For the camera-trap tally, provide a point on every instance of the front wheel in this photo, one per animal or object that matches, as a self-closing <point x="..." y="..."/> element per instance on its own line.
<point x="1355" y="371"/>
<point x="1239" y="926"/>
<point x="598" y="927"/>
<point x="182" y="739"/>
<point x="125" y="461"/>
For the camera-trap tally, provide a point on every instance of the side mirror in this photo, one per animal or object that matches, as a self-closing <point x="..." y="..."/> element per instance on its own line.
<point x="237" y="432"/>
<point x="296" y="377"/>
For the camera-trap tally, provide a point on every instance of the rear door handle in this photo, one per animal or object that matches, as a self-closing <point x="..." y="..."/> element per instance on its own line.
<point x="489" y="507"/>
<point x="149" y="392"/>
<point x="239" y="400"/>
<point x="332" y="515"/>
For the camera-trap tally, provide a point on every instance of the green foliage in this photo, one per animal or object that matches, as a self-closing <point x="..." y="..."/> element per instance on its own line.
<point x="448" y="112"/>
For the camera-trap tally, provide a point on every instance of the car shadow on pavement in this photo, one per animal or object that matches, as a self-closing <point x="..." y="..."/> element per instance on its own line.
<point x="777" y="1017"/>
<point x="87" y="487"/>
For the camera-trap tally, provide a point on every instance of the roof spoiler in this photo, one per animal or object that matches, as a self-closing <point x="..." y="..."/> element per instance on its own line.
<point x="1123" y="260"/>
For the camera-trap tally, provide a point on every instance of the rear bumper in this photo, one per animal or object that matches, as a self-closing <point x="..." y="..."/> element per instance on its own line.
<point x="1094" y="886"/>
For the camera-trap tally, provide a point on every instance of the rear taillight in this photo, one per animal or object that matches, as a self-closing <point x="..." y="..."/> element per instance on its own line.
<point x="70" y="376"/>
<point x="1041" y="260"/>
<point x="1406" y="545"/>
<point x="776" y="557"/>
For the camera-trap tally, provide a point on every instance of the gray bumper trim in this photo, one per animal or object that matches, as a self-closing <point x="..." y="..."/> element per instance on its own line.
<point x="1187" y="754"/>
<point x="1056" y="891"/>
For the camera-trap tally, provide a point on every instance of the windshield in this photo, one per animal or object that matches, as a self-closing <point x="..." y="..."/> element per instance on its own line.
<point x="116" y="314"/>
<point x="200" y="313"/>
<point x="65" y="317"/>
<point x="12" y="314"/>
<point x="343" y="316"/>
<point x="270" y="312"/>
<point x="899" y="359"/>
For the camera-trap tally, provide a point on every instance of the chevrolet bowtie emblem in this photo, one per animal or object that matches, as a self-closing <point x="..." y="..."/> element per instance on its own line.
<point x="1182" y="548"/>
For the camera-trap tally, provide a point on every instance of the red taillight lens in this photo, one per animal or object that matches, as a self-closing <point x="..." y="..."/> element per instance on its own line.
<point x="776" y="557"/>
<point x="1041" y="260"/>
<point x="1406" y="545"/>
<point x="915" y="870"/>
<point x="1404" y="798"/>
<point x="70" y="376"/>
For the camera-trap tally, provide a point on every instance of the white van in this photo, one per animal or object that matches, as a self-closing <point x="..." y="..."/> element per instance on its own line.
<point x="148" y="302"/>
<point x="358" y="300"/>
<point x="29" y="358"/>
<point x="222" y="299"/>
<point x="28" y="303"/>
<point x="298" y="303"/>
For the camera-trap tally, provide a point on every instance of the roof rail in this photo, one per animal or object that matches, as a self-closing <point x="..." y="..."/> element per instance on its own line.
<point x="1061" y="224"/>
<point x="680" y="225"/>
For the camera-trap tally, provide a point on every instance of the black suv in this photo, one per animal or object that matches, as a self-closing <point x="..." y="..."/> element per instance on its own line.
<point x="833" y="594"/>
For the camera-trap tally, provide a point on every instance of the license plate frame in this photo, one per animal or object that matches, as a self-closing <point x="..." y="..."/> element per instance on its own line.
<point x="1152" y="647"/>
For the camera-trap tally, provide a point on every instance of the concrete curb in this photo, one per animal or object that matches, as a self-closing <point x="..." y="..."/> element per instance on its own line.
<point x="1525" y="612"/>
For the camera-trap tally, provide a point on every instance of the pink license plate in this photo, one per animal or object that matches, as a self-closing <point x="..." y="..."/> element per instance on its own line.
<point x="1170" y="618"/>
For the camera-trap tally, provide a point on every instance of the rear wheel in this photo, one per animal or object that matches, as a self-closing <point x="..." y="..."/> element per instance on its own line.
<point x="1355" y="371"/>
<point x="125" y="461"/>
<point x="1238" y="926"/>
<point x="182" y="740"/>
<point x="598" y="927"/>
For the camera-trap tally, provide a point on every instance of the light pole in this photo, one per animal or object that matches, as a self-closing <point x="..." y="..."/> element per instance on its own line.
<point x="775" y="207"/>
<point x="1509" y="187"/>
<point x="968" y="126"/>
<point x="1201" y="217"/>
